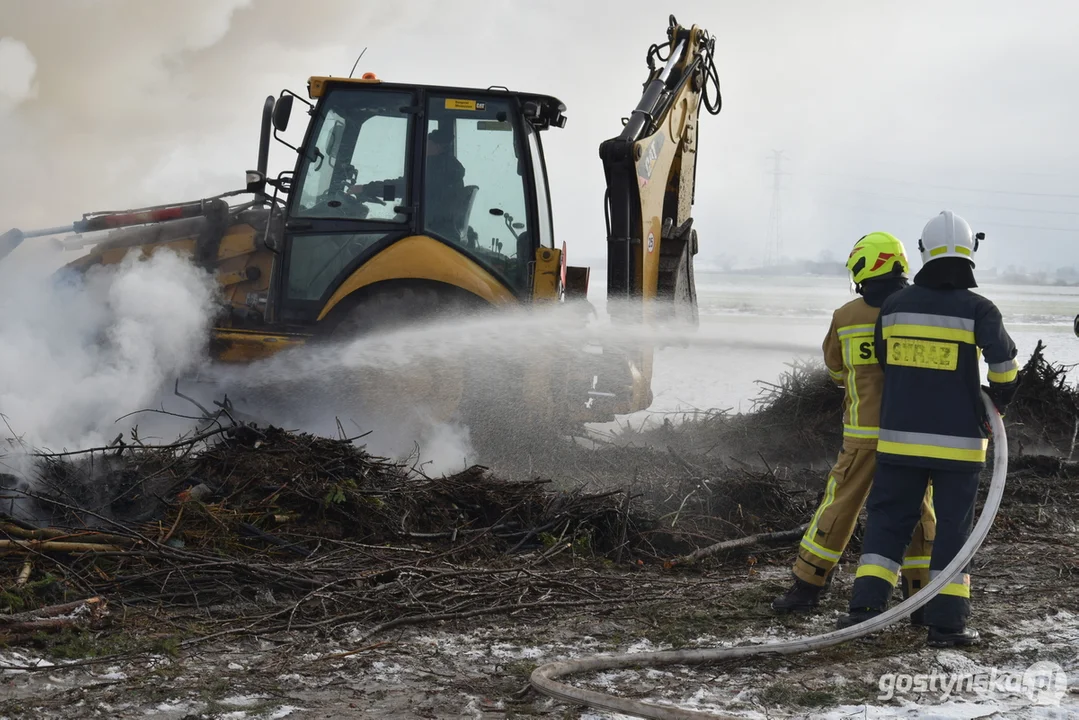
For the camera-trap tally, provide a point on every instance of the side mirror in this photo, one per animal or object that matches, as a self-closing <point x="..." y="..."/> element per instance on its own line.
<point x="282" y="112"/>
<point x="256" y="181"/>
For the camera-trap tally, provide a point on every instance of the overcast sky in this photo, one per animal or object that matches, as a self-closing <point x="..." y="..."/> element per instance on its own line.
<point x="886" y="112"/>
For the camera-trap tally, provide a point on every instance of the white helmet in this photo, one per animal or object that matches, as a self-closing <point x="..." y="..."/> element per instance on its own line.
<point x="948" y="235"/>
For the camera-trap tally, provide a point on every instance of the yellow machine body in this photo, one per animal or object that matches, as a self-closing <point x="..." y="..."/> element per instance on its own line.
<point x="329" y="249"/>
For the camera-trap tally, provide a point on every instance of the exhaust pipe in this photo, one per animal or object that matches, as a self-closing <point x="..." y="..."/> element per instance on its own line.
<point x="256" y="181"/>
<point x="264" y="135"/>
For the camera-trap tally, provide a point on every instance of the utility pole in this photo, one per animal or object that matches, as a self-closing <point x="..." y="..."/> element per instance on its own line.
<point x="773" y="249"/>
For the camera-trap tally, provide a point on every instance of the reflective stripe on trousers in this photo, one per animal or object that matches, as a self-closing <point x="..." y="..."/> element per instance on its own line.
<point x="807" y="539"/>
<point x="959" y="585"/>
<point x="878" y="566"/>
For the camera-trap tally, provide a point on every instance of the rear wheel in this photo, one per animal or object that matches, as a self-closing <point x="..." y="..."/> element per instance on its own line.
<point x="398" y="350"/>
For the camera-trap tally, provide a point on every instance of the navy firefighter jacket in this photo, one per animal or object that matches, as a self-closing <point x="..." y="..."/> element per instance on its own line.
<point x="929" y="342"/>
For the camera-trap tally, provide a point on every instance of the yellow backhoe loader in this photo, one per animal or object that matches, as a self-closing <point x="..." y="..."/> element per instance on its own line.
<point x="408" y="202"/>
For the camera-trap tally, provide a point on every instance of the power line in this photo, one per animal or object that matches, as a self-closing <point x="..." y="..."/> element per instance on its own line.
<point x="978" y="223"/>
<point x="962" y="203"/>
<point x="988" y="191"/>
<point x="966" y="168"/>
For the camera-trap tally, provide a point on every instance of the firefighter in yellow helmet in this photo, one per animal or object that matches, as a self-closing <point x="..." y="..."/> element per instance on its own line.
<point x="878" y="267"/>
<point x="930" y="338"/>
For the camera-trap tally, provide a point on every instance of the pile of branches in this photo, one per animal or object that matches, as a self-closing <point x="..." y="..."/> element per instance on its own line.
<point x="276" y="530"/>
<point x="1043" y="418"/>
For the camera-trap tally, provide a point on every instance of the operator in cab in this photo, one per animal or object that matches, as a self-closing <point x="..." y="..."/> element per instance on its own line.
<point x="444" y="184"/>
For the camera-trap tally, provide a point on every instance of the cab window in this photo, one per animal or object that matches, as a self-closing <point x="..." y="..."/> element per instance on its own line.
<point x="357" y="166"/>
<point x="474" y="185"/>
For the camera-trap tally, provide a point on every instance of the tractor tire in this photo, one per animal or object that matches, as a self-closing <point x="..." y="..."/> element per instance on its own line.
<point x="394" y="360"/>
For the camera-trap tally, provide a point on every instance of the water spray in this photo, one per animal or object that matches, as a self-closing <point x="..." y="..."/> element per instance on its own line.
<point x="545" y="679"/>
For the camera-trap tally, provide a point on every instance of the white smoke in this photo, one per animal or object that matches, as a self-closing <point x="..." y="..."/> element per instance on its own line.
<point x="17" y="68"/>
<point x="113" y="104"/>
<point x="78" y="353"/>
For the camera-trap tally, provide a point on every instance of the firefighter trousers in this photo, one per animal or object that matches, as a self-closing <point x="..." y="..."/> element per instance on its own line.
<point x="892" y="508"/>
<point x="837" y="515"/>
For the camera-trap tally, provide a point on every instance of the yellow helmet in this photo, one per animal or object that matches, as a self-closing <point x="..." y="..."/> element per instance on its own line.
<point x="875" y="255"/>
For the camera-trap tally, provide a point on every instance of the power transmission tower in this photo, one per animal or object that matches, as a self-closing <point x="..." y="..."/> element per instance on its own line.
<point x="773" y="249"/>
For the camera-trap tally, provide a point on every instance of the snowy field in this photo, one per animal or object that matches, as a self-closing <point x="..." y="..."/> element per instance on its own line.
<point x="798" y="311"/>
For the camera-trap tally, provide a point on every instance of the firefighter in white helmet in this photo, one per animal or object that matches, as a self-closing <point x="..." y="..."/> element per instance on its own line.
<point x="932" y="424"/>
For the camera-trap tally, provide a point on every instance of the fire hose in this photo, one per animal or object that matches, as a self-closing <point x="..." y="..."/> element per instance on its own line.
<point x="544" y="679"/>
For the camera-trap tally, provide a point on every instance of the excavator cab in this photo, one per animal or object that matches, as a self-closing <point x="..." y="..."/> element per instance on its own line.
<point x="405" y="183"/>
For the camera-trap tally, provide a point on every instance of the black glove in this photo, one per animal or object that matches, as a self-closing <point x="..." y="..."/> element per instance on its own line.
<point x="1000" y="398"/>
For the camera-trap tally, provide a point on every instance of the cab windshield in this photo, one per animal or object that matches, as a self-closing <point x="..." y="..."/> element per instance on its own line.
<point x="357" y="167"/>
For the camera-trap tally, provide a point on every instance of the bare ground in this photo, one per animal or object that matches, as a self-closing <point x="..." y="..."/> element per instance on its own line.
<point x="1025" y="596"/>
<point x="146" y="663"/>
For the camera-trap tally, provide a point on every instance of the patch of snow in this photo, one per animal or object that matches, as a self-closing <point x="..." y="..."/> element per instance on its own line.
<point x="243" y="700"/>
<point x="514" y="652"/>
<point x="235" y="666"/>
<point x="610" y="678"/>
<point x="113" y="673"/>
<point x="283" y="712"/>
<point x="387" y="672"/>
<point x="643" y="645"/>
<point x="174" y="706"/>
<point x="959" y="688"/>
<point x="952" y="710"/>
<point x="13" y="662"/>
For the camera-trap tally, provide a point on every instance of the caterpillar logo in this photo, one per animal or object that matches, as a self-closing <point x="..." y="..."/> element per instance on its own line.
<point x="648" y="159"/>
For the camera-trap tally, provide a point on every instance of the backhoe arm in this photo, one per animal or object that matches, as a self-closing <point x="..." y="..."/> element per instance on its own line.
<point x="650" y="170"/>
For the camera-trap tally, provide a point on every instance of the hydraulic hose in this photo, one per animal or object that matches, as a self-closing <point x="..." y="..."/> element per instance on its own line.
<point x="544" y="679"/>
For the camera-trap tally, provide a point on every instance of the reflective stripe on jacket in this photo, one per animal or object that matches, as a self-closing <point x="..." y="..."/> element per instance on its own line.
<point x="850" y="355"/>
<point x="929" y="342"/>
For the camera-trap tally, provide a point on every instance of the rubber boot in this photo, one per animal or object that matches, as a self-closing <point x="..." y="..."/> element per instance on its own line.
<point x="800" y="597"/>
<point x="856" y="617"/>
<point x="947" y="637"/>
